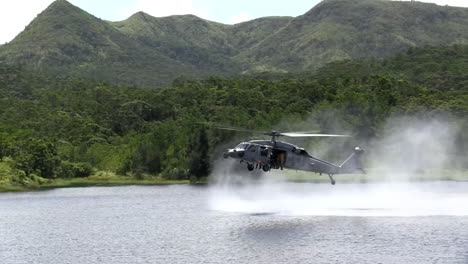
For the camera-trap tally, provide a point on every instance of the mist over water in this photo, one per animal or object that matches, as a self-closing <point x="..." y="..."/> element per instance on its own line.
<point x="389" y="199"/>
<point x="411" y="147"/>
<point x="400" y="161"/>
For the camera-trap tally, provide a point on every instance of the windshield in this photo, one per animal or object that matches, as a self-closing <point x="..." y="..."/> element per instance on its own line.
<point x="242" y="146"/>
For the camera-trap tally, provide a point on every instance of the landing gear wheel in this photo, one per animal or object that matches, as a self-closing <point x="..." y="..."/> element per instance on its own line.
<point x="266" y="168"/>
<point x="250" y="167"/>
<point x="333" y="182"/>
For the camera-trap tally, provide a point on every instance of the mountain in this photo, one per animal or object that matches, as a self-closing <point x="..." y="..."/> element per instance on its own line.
<point x="344" y="29"/>
<point x="65" y="39"/>
<point x="148" y="51"/>
<point x="186" y="39"/>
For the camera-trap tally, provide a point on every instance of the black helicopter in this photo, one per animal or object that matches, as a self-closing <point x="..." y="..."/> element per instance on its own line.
<point x="275" y="154"/>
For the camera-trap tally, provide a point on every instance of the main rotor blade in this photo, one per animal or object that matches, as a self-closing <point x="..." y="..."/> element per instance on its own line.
<point x="270" y="133"/>
<point x="302" y="132"/>
<point x="311" y="135"/>
<point x="217" y="126"/>
<point x="236" y="129"/>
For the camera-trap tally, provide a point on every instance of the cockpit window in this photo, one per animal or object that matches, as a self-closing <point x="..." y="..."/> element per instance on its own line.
<point x="242" y="146"/>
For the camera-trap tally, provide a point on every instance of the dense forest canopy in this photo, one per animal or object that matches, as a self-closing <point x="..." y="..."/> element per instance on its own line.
<point x="68" y="127"/>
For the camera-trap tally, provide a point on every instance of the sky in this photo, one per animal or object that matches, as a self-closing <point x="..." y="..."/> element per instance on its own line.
<point x="15" y="15"/>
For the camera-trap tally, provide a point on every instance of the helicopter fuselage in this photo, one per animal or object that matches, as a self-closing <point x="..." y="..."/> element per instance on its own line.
<point x="267" y="155"/>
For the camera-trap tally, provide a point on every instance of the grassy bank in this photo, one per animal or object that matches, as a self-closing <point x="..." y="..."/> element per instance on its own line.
<point x="99" y="179"/>
<point x="111" y="179"/>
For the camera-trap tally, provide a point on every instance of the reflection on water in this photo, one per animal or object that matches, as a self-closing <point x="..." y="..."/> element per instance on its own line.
<point x="181" y="224"/>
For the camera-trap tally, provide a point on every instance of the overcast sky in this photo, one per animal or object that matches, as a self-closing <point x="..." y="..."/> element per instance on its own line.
<point x="16" y="14"/>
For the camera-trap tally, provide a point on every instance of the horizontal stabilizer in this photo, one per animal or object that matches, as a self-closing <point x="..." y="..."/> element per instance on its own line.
<point x="353" y="163"/>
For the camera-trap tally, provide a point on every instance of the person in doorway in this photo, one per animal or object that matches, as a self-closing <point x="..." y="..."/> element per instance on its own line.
<point x="281" y="159"/>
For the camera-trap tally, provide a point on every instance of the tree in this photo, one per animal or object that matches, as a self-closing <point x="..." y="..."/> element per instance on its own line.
<point x="199" y="165"/>
<point x="38" y="156"/>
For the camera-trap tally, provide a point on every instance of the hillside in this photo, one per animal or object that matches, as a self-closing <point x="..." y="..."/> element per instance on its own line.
<point x="149" y="52"/>
<point x="442" y="68"/>
<point x="65" y="39"/>
<point x="186" y="39"/>
<point x="344" y="29"/>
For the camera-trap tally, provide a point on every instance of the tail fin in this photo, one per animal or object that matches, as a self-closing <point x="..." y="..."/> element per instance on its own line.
<point x="353" y="163"/>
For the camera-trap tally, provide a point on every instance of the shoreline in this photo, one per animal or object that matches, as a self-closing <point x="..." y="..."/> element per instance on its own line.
<point x="106" y="179"/>
<point x="90" y="182"/>
<point x="93" y="183"/>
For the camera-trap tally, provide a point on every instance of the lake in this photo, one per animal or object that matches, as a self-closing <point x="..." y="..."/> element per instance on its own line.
<point x="264" y="223"/>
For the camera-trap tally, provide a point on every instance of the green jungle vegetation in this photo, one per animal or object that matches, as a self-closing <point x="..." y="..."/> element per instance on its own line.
<point x="59" y="131"/>
<point x="146" y="51"/>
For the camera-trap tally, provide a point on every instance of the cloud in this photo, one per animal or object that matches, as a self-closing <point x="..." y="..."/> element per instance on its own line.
<point x="161" y="8"/>
<point x="240" y="17"/>
<point x="460" y="3"/>
<point x="16" y="15"/>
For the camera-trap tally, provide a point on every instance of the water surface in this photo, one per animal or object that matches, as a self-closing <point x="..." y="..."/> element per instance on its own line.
<point x="190" y="224"/>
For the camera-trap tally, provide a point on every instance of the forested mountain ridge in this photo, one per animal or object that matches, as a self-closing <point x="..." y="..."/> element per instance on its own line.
<point x="186" y="39"/>
<point x="348" y="29"/>
<point x="442" y="68"/>
<point x="64" y="39"/>
<point x="147" y="51"/>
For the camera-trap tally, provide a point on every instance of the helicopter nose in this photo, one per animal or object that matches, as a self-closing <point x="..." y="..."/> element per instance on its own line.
<point x="229" y="153"/>
<point x="234" y="154"/>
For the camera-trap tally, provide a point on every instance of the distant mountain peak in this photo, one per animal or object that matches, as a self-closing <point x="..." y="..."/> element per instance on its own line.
<point x="142" y="15"/>
<point x="51" y="21"/>
<point x="61" y="5"/>
<point x="139" y="14"/>
<point x="61" y="2"/>
<point x="60" y="15"/>
<point x="139" y="17"/>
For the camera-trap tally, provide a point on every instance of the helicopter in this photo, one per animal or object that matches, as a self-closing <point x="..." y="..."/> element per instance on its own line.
<point x="275" y="154"/>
